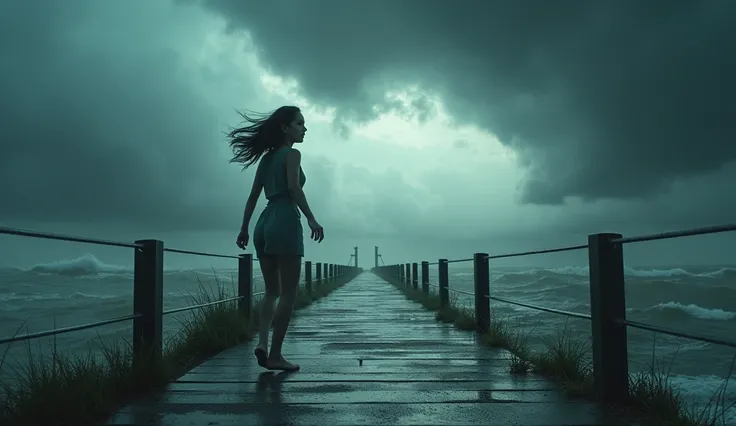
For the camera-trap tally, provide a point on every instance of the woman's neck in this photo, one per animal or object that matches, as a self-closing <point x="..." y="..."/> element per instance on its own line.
<point x="285" y="145"/>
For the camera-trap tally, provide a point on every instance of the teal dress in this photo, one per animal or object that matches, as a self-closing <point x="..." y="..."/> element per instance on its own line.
<point x="278" y="231"/>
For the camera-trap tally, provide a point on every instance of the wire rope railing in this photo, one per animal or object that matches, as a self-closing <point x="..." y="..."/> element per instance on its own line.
<point x="148" y="283"/>
<point x="607" y="299"/>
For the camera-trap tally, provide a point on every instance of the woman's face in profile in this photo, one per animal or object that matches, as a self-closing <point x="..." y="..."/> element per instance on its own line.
<point x="295" y="130"/>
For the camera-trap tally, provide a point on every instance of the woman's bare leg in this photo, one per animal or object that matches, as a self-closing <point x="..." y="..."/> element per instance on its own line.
<point x="290" y="268"/>
<point x="270" y="271"/>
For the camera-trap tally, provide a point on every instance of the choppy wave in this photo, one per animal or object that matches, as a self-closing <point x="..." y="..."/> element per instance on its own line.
<point x="704" y="390"/>
<point x="28" y="297"/>
<point x="87" y="264"/>
<point x="19" y="301"/>
<point x="90" y="265"/>
<point x="694" y="311"/>
<point x="584" y="271"/>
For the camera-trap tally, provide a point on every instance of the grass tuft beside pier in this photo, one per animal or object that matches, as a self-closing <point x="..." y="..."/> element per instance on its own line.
<point x="84" y="389"/>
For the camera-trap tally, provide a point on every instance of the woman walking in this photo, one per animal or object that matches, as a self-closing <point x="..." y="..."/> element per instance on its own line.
<point x="277" y="236"/>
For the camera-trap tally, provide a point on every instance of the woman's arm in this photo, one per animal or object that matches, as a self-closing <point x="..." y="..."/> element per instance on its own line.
<point x="293" y="163"/>
<point x="250" y="204"/>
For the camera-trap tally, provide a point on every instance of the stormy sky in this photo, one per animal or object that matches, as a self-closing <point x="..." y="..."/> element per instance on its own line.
<point x="436" y="128"/>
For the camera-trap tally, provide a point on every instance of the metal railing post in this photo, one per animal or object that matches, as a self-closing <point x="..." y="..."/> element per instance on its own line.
<point x="425" y="277"/>
<point x="444" y="283"/>
<point x="148" y="297"/>
<point x="607" y="309"/>
<point x="245" y="284"/>
<point x="308" y="276"/>
<point x="482" y="290"/>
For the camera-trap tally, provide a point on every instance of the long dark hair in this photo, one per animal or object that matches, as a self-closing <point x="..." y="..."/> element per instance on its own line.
<point x="263" y="134"/>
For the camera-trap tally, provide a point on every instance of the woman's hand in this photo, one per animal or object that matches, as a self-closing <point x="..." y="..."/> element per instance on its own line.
<point x="318" y="233"/>
<point x="242" y="240"/>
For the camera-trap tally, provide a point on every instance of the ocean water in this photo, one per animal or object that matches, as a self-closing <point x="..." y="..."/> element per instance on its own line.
<point x="698" y="300"/>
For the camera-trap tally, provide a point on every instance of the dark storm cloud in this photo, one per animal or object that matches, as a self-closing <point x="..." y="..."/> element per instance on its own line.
<point x="99" y="120"/>
<point x="610" y="99"/>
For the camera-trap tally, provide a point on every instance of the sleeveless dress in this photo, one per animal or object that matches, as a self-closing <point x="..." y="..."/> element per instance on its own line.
<point x="278" y="231"/>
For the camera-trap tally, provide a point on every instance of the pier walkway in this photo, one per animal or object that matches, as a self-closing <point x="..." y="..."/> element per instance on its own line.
<point x="368" y="356"/>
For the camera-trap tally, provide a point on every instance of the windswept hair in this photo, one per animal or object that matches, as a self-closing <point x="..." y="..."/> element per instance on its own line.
<point x="263" y="134"/>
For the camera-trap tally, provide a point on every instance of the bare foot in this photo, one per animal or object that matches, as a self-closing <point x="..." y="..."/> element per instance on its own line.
<point x="281" y="364"/>
<point x="261" y="354"/>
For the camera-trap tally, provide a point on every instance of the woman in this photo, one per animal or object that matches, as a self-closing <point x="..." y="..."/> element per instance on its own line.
<point x="277" y="236"/>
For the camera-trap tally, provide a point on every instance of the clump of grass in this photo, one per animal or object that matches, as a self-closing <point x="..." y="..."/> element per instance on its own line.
<point x="430" y="301"/>
<point x="715" y="411"/>
<point x="519" y="365"/>
<point x="208" y="330"/>
<point x="446" y="314"/>
<point x="453" y="312"/>
<point x="653" y="395"/>
<point x="651" y="392"/>
<point x="500" y="335"/>
<point x="71" y="390"/>
<point x="566" y="359"/>
<point x="65" y="390"/>
<point x="465" y="319"/>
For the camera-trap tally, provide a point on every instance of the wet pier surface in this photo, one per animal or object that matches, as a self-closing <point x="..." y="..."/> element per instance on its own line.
<point x="368" y="356"/>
